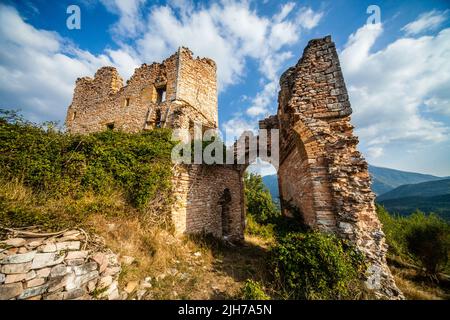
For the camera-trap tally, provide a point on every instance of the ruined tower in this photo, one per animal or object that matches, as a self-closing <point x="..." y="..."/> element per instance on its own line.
<point x="175" y="93"/>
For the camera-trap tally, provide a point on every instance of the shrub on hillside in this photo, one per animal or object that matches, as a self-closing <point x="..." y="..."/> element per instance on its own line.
<point x="58" y="164"/>
<point x="253" y="290"/>
<point x="419" y="238"/>
<point x="428" y="240"/>
<point x="315" y="265"/>
<point x="258" y="200"/>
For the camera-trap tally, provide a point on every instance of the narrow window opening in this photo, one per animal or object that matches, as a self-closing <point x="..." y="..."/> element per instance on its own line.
<point x="161" y="94"/>
<point x="127" y="102"/>
<point x="110" y="126"/>
<point x="74" y="115"/>
<point x="158" y="118"/>
<point x="225" y="202"/>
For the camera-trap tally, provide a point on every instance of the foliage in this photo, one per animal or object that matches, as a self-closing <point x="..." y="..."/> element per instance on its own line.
<point x="253" y="290"/>
<point x="258" y="200"/>
<point x="428" y="240"/>
<point x="418" y="238"/>
<point x="315" y="265"/>
<point x="265" y="231"/>
<point x="59" y="165"/>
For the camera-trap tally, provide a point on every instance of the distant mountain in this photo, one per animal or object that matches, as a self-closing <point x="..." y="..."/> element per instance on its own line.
<point x="430" y="196"/>
<point x="271" y="183"/>
<point x="407" y="205"/>
<point x="385" y="179"/>
<point x="424" y="189"/>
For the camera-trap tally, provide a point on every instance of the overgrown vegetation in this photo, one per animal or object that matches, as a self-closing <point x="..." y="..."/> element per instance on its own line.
<point x="419" y="249"/>
<point x="305" y="264"/>
<point x="316" y="265"/>
<point x="54" y="166"/>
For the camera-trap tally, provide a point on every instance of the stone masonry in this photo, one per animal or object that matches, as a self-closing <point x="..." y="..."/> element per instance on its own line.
<point x="321" y="174"/>
<point x="59" y="267"/>
<point x="322" y="177"/>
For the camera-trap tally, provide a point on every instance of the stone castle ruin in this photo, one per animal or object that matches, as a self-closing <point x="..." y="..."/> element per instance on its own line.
<point x="321" y="174"/>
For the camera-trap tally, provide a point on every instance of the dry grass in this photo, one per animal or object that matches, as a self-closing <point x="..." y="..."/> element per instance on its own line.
<point x="417" y="287"/>
<point x="181" y="268"/>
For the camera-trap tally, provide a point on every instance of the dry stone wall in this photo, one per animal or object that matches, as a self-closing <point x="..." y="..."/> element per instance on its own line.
<point x="63" y="267"/>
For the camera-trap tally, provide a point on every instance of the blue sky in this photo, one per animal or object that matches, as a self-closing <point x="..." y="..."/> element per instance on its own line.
<point x="397" y="71"/>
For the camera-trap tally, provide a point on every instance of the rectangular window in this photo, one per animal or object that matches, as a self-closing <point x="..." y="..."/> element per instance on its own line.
<point x="127" y="102"/>
<point x="161" y="94"/>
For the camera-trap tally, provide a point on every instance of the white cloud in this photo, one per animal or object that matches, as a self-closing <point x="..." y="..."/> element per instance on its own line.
<point x="308" y="18"/>
<point x="427" y="21"/>
<point x="129" y="12"/>
<point x="39" y="68"/>
<point x="392" y="89"/>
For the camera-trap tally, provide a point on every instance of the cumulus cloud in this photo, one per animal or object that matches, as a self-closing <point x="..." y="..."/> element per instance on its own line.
<point x="39" y="68"/>
<point x="427" y="21"/>
<point x="392" y="89"/>
<point x="130" y="20"/>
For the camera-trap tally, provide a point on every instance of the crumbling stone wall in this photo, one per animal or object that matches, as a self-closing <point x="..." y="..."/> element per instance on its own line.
<point x="209" y="199"/>
<point x="66" y="266"/>
<point x="190" y="94"/>
<point x="321" y="173"/>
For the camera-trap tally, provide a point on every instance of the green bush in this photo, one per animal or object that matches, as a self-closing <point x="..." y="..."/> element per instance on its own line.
<point x="419" y="239"/>
<point x="253" y="290"/>
<point x="59" y="164"/>
<point x="428" y="240"/>
<point x="258" y="200"/>
<point x="254" y="228"/>
<point x="315" y="265"/>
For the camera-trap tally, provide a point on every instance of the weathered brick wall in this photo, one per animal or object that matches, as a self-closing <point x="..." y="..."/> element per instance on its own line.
<point x="321" y="173"/>
<point x="199" y="206"/>
<point x="197" y="85"/>
<point x="191" y="95"/>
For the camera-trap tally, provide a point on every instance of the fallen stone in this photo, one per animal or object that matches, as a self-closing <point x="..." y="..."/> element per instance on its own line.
<point x="34" y="243"/>
<point x="74" y="262"/>
<point x="42" y="260"/>
<point x="111" y="271"/>
<point x="22" y="250"/>
<point x="54" y="296"/>
<point x="19" y="258"/>
<point x="91" y="285"/>
<point x="35" y="282"/>
<point x="76" y="255"/>
<point x="74" y="281"/>
<point x="129" y="288"/>
<point x="16" y="268"/>
<point x="9" y="291"/>
<point x="105" y="282"/>
<point x="73" y="294"/>
<point x="69" y="245"/>
<point x="14" y="242"/>
<point x="102" y="261"/>
<point x="43" y="273"/>
<point x="33" y="292"/>
<point x="18" y="277"/>
<point x="127" y="260"/>
<point x="48" y="247"/>
<point x="30" y="275"/>
<point x="58" y="270"/>
<point x="85" y="268"/>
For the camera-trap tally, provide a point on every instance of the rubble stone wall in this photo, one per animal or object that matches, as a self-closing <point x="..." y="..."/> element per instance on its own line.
<point x="201" y="203"/>
<point x="321" y="171"/>
<point x="63" y="267"/>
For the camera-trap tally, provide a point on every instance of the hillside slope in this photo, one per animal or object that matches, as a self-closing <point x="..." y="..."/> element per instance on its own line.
<point x="386" y="179"/>
<point x="424" y="189"/>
